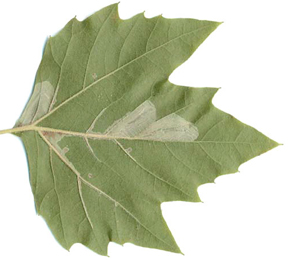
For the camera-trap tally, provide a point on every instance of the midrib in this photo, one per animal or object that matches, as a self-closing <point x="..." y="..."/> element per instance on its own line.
<point x="100" y="136"/>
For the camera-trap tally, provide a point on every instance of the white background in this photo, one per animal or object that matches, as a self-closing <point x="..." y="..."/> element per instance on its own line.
<point x="244" y="215"/>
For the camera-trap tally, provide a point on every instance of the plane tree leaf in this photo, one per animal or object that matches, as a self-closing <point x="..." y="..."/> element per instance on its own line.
<point x="109" y="138"/>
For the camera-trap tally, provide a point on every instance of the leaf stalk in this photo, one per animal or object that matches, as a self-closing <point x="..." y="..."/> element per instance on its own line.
<point x="16" y="130"/>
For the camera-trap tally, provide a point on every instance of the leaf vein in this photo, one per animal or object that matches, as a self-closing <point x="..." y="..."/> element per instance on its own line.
<point x="100" y="191"/>
<point x="116" y="70"/>
<point x="54" y="183"/>
<point x="148" y="171"/>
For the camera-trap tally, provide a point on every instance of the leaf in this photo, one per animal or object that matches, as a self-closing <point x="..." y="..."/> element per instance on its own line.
<point x="109" y="138"/>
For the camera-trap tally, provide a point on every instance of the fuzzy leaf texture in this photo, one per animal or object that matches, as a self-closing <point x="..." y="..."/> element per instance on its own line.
<point x="109" y="138"/>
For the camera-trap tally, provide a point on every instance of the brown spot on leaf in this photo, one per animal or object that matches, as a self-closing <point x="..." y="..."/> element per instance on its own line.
<point x="94" y="76"/>
<point x="51" y="135"/>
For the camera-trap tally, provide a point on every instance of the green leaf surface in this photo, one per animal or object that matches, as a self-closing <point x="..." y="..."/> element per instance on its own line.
<point x="109" y="138"/>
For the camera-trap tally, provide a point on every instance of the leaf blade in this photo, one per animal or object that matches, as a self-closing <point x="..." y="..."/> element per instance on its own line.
<point x="118" y="133"/>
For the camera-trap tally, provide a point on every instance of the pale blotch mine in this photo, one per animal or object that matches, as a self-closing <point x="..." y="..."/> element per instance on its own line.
<point x="171" y="128"/>
<point x="54" y="139"/>
<point x="38" y="104"/>
<point x="141" y="123"/>
<point x="133" y="123"/>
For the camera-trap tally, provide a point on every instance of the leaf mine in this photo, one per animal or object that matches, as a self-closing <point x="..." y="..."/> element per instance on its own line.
<point x="109" y="138"/>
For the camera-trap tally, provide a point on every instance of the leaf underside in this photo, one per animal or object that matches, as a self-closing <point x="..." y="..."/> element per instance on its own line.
<point x="113" y="138"/>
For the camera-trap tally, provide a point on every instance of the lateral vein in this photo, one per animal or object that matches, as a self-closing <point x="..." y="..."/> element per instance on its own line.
<point x="99" y="190"/>
<point x="116" y="70"/>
